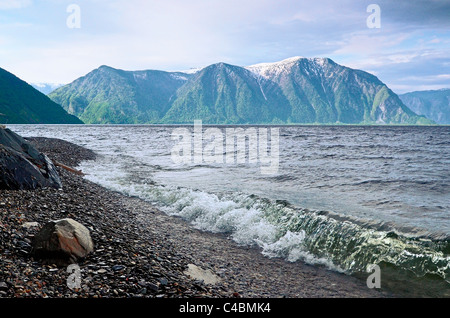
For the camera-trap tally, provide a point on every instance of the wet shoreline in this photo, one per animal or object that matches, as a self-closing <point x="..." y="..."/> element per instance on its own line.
<point x="141" y="252"/>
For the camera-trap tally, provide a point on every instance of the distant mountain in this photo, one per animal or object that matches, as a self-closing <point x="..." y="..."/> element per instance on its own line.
<point x="111" y="96"/>
<point x="434" y="104"/>
<point x="227" y="94"/>
<point x="322" y="91"/>
<point x="20" y="103"/>
<point x="296" y="90"/>
<point x="46" y="88"/>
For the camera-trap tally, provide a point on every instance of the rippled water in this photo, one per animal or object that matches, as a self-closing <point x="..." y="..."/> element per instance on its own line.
<point x="343" y="196"/>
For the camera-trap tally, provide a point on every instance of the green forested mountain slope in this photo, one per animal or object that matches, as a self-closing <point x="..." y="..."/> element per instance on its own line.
<point x="434" y="104"/>
<point x="296" y="90"/>
<point x="111" y="96"/>
<point x="20" y="103"/>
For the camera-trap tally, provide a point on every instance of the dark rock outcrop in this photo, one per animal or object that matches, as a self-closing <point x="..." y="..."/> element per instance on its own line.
<point x="22" y="166"/>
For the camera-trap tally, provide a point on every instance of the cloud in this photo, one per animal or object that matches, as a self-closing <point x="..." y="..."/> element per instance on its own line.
<point x="435" y="41"/>
<point x="14" y="4"/>
<point x="407" y="88"/>
<point x="178" y="34"/>
<point x="415" y="70"/>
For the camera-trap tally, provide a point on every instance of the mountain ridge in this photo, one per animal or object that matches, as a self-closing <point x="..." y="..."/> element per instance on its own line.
<point x="296" y="90"/>
<point x="108" y="95"/>
<point x="434" y="104"/>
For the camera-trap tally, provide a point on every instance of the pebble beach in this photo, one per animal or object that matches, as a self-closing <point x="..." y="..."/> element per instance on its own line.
<point x="140" y="252"/>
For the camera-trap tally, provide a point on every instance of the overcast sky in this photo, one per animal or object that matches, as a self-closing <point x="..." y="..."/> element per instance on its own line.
<point x="410" y="51"/>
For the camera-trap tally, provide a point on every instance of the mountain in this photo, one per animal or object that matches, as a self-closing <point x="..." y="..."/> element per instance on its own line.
<point x="293" y="91"/>
<point x="20" y="103"/>
<point x="434" y="104"/>
<point x="46" y="88"/>
<point x="227" y="94"/>
<point x="111" y="96"/>
<point x="322" y="91"/>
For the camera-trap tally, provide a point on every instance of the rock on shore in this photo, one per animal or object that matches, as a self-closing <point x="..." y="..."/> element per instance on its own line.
<point x="63" y="241"/>
<point x="22" y="166"/>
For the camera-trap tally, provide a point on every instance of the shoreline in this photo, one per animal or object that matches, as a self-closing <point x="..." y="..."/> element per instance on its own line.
<point x="140" y="251"/>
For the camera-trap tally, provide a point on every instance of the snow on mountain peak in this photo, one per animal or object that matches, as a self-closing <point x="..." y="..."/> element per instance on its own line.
<point x="319" y="60"/>
<point x="192" y="70"/>
<point x="270" y="69"/>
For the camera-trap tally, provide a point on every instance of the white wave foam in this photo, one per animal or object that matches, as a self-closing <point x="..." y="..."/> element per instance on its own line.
<point x="234" y="214"/>
<point x="278" y="230"/>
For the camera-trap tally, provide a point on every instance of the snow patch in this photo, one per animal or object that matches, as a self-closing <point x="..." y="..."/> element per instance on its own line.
<point x="267" y="70"/>
<point x="192" y="70"/>
<point x="140" y="76"/>
<point x="260" y="87"/>
<point x="318" y="61"/>
<point x="179" y="77"/>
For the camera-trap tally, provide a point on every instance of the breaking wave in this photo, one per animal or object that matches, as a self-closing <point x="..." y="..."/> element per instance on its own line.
<point x="279" y="229"/>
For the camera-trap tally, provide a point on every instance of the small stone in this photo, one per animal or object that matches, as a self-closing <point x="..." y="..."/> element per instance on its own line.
<point x="143" y="291"/>
<point x="163" y="281"/>
<point x="198" y="273"/>
<point x="152" y="287"/>
<point x="118" y="268"/>
<point x="28" y="225"/>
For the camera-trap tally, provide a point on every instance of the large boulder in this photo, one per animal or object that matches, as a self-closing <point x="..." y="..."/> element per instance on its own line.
<point x="63" y="242"/>
<point x="23" y="167"/>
